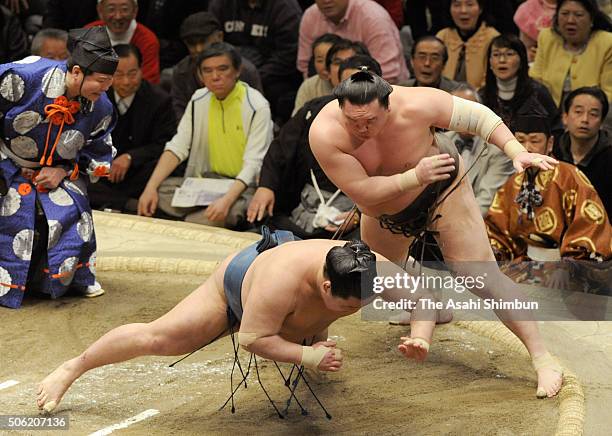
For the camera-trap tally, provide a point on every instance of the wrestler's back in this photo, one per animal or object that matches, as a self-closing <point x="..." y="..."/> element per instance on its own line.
<point x="405" y="139"/>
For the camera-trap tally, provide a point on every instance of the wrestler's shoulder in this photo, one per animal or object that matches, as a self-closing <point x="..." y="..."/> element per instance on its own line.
<point x="327" y="123"/>
<point x="415" y="99"/>
<point x="329" y="114"/>
<point x="416" y="95"/>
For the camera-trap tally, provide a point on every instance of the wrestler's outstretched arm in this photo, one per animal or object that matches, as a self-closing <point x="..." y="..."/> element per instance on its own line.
<point x="269" y="302"/>
<point x="460" y="115"/>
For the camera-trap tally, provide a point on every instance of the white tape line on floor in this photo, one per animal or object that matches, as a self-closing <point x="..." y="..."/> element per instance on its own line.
<point x="126" y="423"/>
<point x="7" y="384"/>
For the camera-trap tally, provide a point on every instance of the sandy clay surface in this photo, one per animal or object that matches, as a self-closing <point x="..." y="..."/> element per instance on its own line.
<point x="468" y="385"/>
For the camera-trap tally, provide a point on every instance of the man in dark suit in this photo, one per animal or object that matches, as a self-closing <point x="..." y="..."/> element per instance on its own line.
<point x="145" y="123"/>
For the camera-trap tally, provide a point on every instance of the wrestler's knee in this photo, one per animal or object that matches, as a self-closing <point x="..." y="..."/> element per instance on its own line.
<point x="156" y="342"/>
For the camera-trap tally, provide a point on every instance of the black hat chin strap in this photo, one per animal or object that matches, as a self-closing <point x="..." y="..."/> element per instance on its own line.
<point x="86" y="105"/>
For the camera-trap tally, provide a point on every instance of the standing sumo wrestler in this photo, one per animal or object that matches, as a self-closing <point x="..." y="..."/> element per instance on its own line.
<point x="377" y="143"/>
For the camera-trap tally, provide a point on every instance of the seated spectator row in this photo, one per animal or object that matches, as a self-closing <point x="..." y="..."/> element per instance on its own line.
<point x="275" y="38"/>
<point x="238" y="71"/>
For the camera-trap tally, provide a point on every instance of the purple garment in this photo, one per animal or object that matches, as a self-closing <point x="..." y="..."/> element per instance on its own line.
<point x="26" y="87"/>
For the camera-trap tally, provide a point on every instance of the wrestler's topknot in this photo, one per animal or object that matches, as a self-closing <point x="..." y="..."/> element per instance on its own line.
<point x="351" y="270"/>
<point x="360" y="62"/>
<point x="362" y="88"/>
<point x="363" y="255"/>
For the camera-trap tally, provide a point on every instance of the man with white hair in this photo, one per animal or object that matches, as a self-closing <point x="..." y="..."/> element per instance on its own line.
<point x="51" y="44"/>
<point x="119" y="17"/>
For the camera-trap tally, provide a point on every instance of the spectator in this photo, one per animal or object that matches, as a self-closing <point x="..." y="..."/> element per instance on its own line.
<point x="531" y="17"/>
<point x="51" y="44"/>
<point x="69" y="14"/>
<point x="319" y="84"/>
<point x="508" y="88"/>
<point x="428" y="58"/>
<point x="584" y="144"/>
<point x="119" y="17"/>
<point x="145" y="123"/>
<point x="428" y="17"/>
<point x="286" y="192"/>
<point x="358" y="20"/>
<point x="225" y="132"/>
<point x="13" y="41"/>
<point x="576" y="51"/>
<point x="467" y="41"/>
<point x="545" y="216"/>
<point x="266" y="33"/>
<point x="199" y="31"/>
<point x="489" y="167"/>
<point x="340" y="52"/>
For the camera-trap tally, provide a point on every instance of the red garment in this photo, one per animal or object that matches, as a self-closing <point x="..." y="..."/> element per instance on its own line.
<point x="395" y="9"/>
<point x="148" y="44"/>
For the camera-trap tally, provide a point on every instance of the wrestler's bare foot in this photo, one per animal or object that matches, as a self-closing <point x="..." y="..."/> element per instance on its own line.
<point x="444" y="316"/>
<point x="549" y="382"/>
<point x="52" y="388"/>
<point x="414" y="348"/>
<point x="550" y="375"/>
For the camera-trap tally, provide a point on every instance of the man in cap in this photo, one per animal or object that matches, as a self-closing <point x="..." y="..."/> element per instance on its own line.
<point x="198" y="32"/>
<point x="57" y="122"/>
